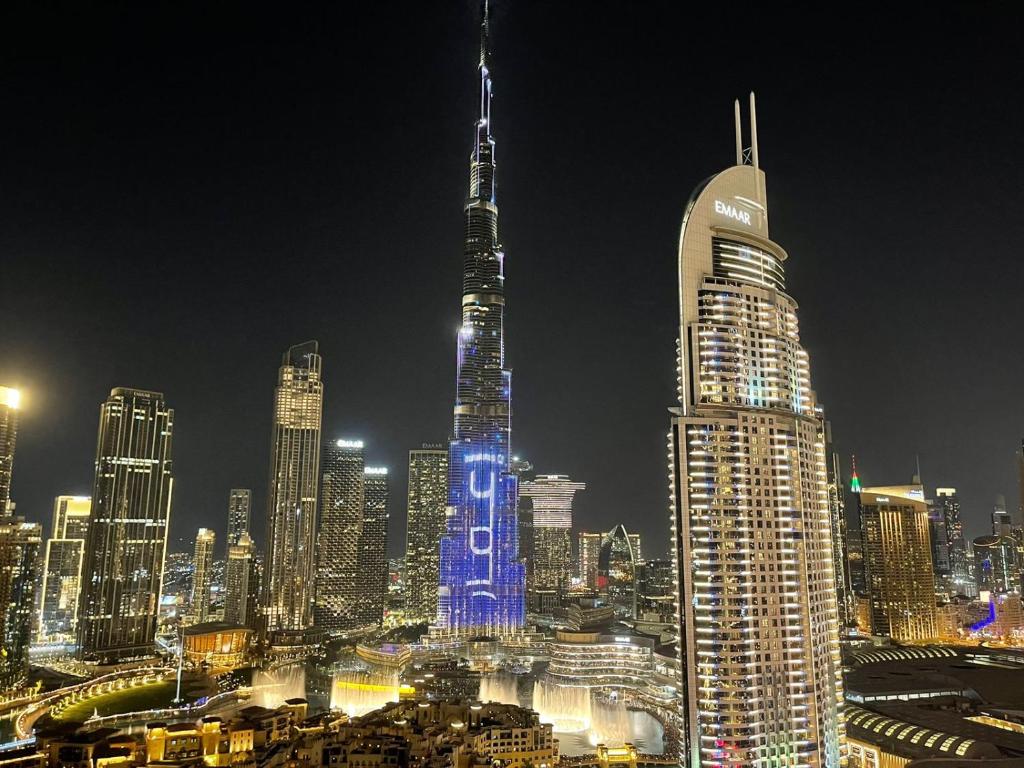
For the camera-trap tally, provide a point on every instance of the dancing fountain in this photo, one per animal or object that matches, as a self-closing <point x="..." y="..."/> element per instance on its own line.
<point x="359" y="692"/>
<point x="500" y="687"/>
<point x="566" y="708"/>
<point x="609" y="721"/>
<point x="272" y="688"/>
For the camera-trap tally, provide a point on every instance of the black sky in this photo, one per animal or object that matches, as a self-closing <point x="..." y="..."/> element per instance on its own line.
<point x="186" y="190"/>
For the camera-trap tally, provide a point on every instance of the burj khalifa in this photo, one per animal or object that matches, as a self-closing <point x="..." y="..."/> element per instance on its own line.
<point x="482" y="581"/>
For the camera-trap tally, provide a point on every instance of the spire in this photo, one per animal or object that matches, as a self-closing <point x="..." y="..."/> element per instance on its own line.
<point x="854" y="479"/>
<point x="485" y="76"/>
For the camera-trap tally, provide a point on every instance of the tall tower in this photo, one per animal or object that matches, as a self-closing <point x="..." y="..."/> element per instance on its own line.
<point x="239" y="513"/>
<point x="752" y="528"/>
<point x="551" y="499"/>
<point x="10" y="402"/>
<point x="240" y="583"/>
<point x="338" y="582"/>
<point x="19" y="564"/>
<point x="62" y="572"/>
<point x="202" y="573"/>
<point x="292" y="498"/>
<point x="428" y="498"/>
<point x="373" y="547"/>
<point x="482" y="580"/>
<point x="959" y="566"/>
<point x="122" y="571"/>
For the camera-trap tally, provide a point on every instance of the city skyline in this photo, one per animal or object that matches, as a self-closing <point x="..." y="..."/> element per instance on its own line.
<point x="968" y="448"/>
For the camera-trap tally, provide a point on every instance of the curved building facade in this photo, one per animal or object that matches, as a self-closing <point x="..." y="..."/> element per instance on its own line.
<point x="759" y="624"/>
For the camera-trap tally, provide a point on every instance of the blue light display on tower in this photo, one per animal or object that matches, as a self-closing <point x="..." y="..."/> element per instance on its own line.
<point x="482" y="582"/>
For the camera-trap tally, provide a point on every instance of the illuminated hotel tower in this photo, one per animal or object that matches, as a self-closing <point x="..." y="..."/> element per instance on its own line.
<point x="759" y="629"/>
<point x="126" y="540"/>
<point x="292" y="498"/>
<point x="551" y="497"/>
<point x="482" y="581"/>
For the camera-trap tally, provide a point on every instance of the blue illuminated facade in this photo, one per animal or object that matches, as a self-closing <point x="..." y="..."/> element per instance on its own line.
<point x="482" y="581"/>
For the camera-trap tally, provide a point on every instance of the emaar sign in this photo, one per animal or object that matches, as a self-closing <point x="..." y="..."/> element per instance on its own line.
<point x="732" y="212"/>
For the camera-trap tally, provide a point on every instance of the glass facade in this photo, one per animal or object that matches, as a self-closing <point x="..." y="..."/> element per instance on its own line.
<point x="482" y="581"/>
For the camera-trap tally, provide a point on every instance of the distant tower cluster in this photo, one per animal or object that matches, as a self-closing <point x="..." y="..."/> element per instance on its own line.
<point x="751" y="518"/>
<point x="292" y="499"/>
<point x="122" y="570"/>
<point x="427" y="504"/>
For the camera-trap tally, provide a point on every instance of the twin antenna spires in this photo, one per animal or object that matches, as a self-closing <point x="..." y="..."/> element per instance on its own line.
<point x="746" y="156"/>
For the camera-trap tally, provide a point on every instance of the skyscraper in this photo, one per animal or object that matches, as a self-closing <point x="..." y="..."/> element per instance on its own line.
<point x="122" y="571"/>
<point x="428" y="499"/>
<point x="373" y="547"/>
<point x="898" y="562"/>
<point x="19" y="564"/>
<point x="551" y="498"/>
<point x="10" y="401"/>
<point x="959" y="566"/>
<point x="338" y="582"/>
<point x="617" y="565"/>
<point x="62" y="572"/>
<point x="995" y="564"/>
<point x="240" y="583"/>
<point x="749" y="497"/>
<point x="202" y="573"/>
<point x="589" y="550"/>
<point x="482" y="580"/>
<point x="837" y="509"/>
<point x="290" y="543"/>
<point x="239" y="513"/>
<point x="942" y="566"/>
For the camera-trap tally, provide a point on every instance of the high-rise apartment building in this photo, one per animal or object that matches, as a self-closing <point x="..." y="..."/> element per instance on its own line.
<point x="202" y="573"/>
<point x="62" y="571"/>
<point x="239" y="514"/>
<point x="588" y="551"/>
<point x="898" y="562"/>
<point x="482" y="580"/>
<point x="338" y="581"/>
<point x="995" y="564"/>
<point x="289" y="582"/>
<point x="240" y="583"/>
<point x="373" y="547"/>
<point x="551" y="498"/>
<point x="122" y="570"/>
<point x="837" y="510"/>
<point x="751" y="521"/>
<point x="942" y="567"/>
<point x="10" y="402"/>
<point x="959" y="561"/>
<point x="19" y="567"/>
<point x="428" y="500"/>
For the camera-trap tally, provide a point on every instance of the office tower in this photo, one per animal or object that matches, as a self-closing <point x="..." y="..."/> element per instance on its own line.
<point x="122" y="571"/>
<point x="239" y="513"/>
<point x="482" y="581"/>
<point x="62" y="571"/>
<point x="289" y="582"/>
<point x="10" y="401"/>
<point x="19" y="567"/>
<point x="751" y="521"/>
<point x="551" y="498"/>
<point x="338" y="582"/>
<point x="240" y="582"/>
<point x="995" y="564"/>
<point x="837" y="511"/>
<point x="959" y="566"/>
<point x="589" y="549"/>
<point x="942" y="568"/>
<point x="202" y="573"/>
<point x="898" y="562"/>
<point x="1002" y="524"/>
<point x="373" y="547"/>
<point x="428" y="499"/>
<point x="617" y="563"/>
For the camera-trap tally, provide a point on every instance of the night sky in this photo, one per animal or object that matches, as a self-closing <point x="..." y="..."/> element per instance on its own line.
<point x="187" y="190"/>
